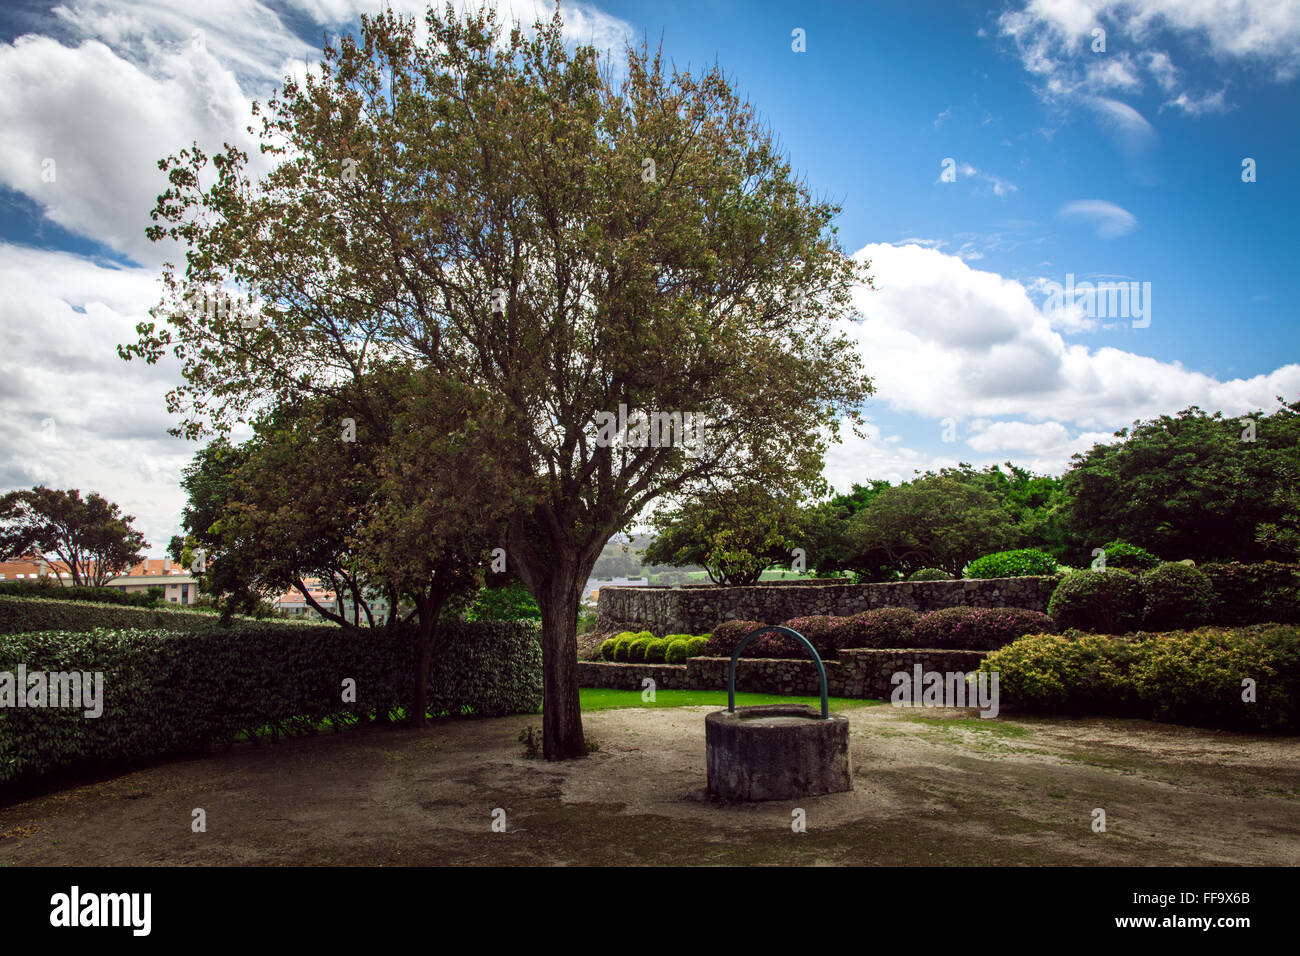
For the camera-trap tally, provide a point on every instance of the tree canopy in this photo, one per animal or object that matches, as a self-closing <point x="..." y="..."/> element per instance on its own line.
<point x="90" y="536"/>
<point x="585" y="254"/>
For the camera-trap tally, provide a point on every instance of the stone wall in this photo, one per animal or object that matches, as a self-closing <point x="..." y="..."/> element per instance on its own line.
<point x="868" y="672"/>
<point x="629" y="676"/>
<point x="859" y="673"/>
<point x="697" y="610"/>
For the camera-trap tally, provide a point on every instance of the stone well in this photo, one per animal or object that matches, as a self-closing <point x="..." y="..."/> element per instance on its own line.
<point x="776" y="752"/>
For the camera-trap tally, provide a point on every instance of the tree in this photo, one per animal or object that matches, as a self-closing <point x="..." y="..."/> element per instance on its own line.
<point x="92" y="537"/>
<point x="591" y="255"/>
<point x="208" y="485"/>
<point x="1032" y="501"/>
<point x="936" y="521"/>
<point x="430" y="529"/>
<point x="735" y="534"/>
<point x="826" y="537"/>
<point x="1189" y="485"/>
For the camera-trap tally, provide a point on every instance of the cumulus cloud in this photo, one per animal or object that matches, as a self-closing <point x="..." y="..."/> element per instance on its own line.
<point x="86" y="124"/>
<point x="85" y="128"/>
<point x="1109" y="219"/>
<point x="945" y="340"/>
<point x="73" y="414"/>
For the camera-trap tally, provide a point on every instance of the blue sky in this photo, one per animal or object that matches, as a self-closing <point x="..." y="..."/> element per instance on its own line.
<point x="1122" y="164"/>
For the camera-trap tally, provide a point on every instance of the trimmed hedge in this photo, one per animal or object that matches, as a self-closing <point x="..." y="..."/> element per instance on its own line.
<point x="882" y="627"/>
<point x="1254" y="593"/>
<point x="655" y="650"/>
<point x="722" y="642"/>
<point x="607" y="648"/>
<point x="1176" y="596"/>
<point x="1107" y="601"/>
<point x="168" y="692"/>
<point x="978" y="628"/>
<point x="24" y="615"/>
<point x="1121" y="554"/>
<point x="929" y="574"/>
<point x="676" y="652"/>
<point x="695" y="645"/>
<point x="83" y="592"/>
<point x="819" y="629"/>
<point x="1192" y="677"/>
<point x="1012" y="564"/>
<point x="636" y="649"/>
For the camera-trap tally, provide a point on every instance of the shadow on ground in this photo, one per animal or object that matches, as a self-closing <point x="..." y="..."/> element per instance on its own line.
<point x="931" y="787"/>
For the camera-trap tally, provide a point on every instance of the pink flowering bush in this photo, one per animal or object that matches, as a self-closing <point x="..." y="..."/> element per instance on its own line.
<point x="979" y="628"/>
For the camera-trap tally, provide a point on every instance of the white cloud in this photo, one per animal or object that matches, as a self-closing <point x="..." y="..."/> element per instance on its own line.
<point x="1134" y="134"/>
<point x="1109" y="219"/>
<point x="105" y="123"/>
<point x="1054" y="40"/>
<point x="944" y="340"/>
<point x="879" y="457"/>
<point x="61" y="320"/>
<point x="1209" y="103"/>
<point x="147" y="79"/>
<point x="1000" y="186"/>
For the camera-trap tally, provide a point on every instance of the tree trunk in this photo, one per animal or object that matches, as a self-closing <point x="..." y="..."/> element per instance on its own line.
<point x="420" y="692"/>
<point x="562" y="737"/>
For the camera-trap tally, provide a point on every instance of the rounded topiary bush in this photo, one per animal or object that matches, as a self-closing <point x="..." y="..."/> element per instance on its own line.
<point x="696" y="645"/>
<point x="607" y="649"/>
<point x="676" y="652"/>
<point x="636" y="650"/>
<point x="654" y="651"/>
<point x="1012" y="564"/>
<point x="1109" y="601"/>
<point x="1176" y="596"/>
<point x="621" y="645"/>
<point x="929" y="574"/>
<point x="1121" y="554"/>
<point x="882" y="627"/>
<point x="722" y="642"/>
<point x="819" y="629"/>
<point x="978" y="628"/>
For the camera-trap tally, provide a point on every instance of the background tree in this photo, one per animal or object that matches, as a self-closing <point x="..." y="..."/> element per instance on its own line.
<point x="936" y="521"/>
<point x="441" y="493"/>
<point x="91" y="537"/>
<point x="828" y="543"/>
<point x="1189" y="485"/>
<point x="500" y="211"/>
<point x="734" y="533"/>
<point x="208" y="485"/>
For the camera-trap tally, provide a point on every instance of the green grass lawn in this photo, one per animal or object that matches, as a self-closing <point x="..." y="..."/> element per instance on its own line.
<point x="599" y="698"/>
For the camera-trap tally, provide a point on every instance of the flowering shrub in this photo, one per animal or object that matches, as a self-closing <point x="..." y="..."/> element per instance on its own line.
<point x="722" y="642"/>
<point x="978" y="628"/>
<point x="1191" y="677"/>
<point x="820" y="631"/>
<point x="883" y="627"/>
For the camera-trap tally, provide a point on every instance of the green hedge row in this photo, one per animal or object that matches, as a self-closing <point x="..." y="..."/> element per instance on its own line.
<point x="81" y="592"/>
<point x="1190" y="677"/>
<point x="23" y="615"/>
<point x="635" y="647"/>
<point x="1175" y="595"/>
<point x="171" y="692"/>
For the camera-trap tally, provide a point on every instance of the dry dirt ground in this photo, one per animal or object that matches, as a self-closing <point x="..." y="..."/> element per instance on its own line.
<point x="928" y="789"/>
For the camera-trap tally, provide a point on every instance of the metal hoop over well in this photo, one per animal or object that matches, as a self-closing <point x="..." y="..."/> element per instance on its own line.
<point x="776" y="629"/>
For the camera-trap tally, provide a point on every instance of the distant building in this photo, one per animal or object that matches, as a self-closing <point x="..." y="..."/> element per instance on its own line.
<point x="178" y="585"/>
